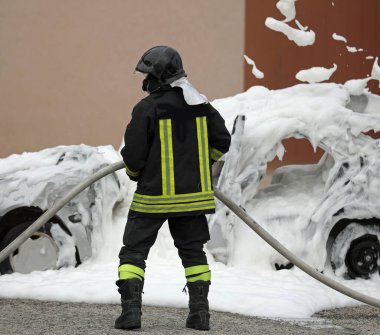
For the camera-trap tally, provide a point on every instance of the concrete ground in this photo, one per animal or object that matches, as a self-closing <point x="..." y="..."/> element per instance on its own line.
<point x="21" y="317"/>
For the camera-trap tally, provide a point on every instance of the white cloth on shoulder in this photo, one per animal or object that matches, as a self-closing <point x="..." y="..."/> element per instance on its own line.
<point x="190" y="93"/>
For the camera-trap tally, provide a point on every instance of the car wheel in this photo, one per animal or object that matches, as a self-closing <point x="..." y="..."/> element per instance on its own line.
<point x="38" y="253"/>
<point x="355" y="252"/>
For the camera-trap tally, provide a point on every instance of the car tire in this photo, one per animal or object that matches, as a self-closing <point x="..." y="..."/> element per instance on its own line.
<point x="39" y="252"/>
<point x="355" y="252"/>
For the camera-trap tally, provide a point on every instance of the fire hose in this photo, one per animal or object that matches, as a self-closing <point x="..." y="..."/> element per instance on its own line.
<point x="14" y="245"/>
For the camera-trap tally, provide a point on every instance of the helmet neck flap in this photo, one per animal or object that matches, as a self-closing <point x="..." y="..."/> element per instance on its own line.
<point x="150" y="84"/>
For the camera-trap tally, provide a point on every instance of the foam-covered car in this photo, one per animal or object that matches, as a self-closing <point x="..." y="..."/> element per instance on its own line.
<point x="30" y="184"/>
<point x="326" y="213"/>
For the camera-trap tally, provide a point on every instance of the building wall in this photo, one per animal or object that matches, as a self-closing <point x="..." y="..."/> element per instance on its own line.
<point x="66" y="67"/>
<point x="280" y="59"/>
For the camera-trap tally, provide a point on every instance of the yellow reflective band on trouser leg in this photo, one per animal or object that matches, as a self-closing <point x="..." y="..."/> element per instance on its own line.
<point x="167" y="160"/>
<point x="203" y="153"/>
<point x="128" y="271"/>
<point x="198" y="272"/>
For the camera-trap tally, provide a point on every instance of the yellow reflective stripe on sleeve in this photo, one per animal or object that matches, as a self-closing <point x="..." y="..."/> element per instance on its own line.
<point x="203" y="153"/>
<point x="131" y="173"/>
<point x="172" y="208"/>
<point x="128" y="271"/>
<point x="215" y="154"/>
<point x="214" y="157"/>
<point x="193" y="270"/>
<point x="167" y="160"/>
<point x="176" y="198"/>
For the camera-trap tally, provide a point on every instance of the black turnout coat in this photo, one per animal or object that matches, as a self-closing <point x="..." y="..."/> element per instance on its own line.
<point x="169" y="149"/>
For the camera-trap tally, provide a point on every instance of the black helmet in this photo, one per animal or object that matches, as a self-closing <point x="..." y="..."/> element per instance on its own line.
<point x="162" y="62"/>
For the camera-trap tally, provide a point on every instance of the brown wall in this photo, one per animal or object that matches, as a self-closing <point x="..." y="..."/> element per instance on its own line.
<point x="280" y="59"/>
<point x="66" y="67"/>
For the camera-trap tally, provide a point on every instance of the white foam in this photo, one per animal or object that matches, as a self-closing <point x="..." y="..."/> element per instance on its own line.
<point x="337" y="37"/>
<point x="316" y="74"/>
<point x="300" y="37"/>
<point x="356" y="86"/>
<point x="296" y="209"/>
<point x="287" y="8"/>
<point x="354" y="49"/>
<point x="255" y="71"/>
<point x="375" y="73"/>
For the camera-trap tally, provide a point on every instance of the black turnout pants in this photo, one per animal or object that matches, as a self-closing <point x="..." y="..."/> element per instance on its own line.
<point x="190" y="233"/>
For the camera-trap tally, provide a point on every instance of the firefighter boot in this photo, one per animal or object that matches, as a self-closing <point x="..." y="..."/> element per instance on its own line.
<point x="199" y="317"/>
<point x="130" y="291"/>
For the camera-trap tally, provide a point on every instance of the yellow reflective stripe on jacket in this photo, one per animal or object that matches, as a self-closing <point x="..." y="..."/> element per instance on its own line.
<point x="203" y="153"/>
<point x="167" y="161"/>
<point x="172" y="208"/>
<point x="175" y="198"/>
<point x="131" y="173"/>
<point x="215" y="154"/>
<point x="128" y="271"/>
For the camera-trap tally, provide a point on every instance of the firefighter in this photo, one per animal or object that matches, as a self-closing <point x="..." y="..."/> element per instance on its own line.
<point x="173" y="138"/>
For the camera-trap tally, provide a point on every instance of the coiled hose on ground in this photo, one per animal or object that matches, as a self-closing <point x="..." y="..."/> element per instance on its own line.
<point x="230" y="204"/>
